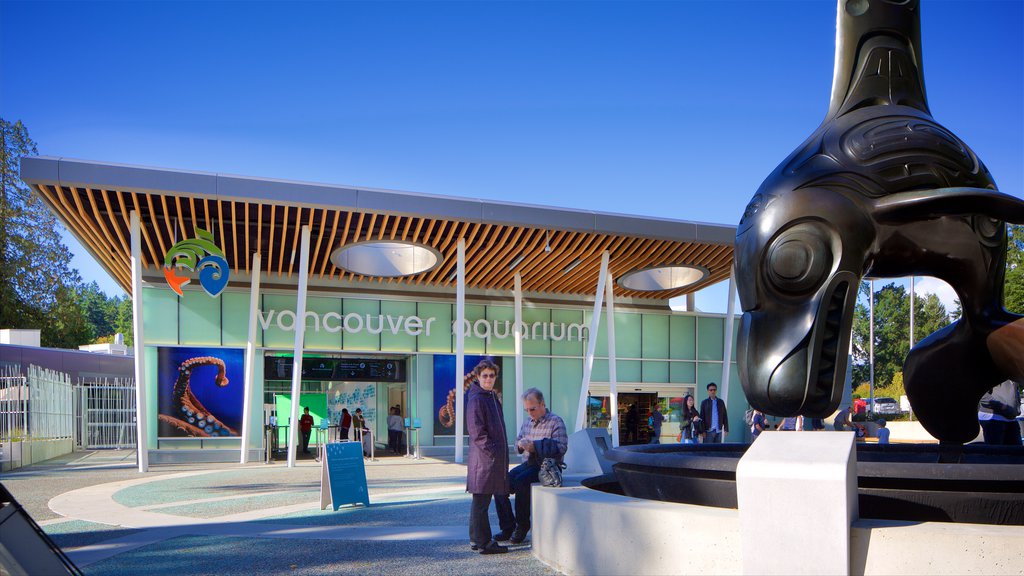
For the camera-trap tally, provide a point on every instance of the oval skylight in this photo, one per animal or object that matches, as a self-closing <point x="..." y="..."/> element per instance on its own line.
<point x="388" y="259"/>
<point x="662" y="278"/>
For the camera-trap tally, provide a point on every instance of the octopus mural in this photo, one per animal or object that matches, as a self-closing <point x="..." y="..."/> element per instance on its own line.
<point x="184" y="414"/>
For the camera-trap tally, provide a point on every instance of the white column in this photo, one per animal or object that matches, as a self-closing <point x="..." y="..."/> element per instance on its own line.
<point x="518" y="297"/>
<point x="871" y="344"/>
<point x="141" y="409"/>
<point x="912" y="312"/>
<point x="300" y="333"/>
<point x="588" y="360"/>
<point x="730" y="323"/>
<point x="613" y="380"/>
<point x="460" y="346"/>
<point x="250" y="358"/>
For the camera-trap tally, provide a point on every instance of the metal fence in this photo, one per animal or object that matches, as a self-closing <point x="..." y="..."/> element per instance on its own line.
<point x="105" y="417"/>
<point x="36" y="406"/>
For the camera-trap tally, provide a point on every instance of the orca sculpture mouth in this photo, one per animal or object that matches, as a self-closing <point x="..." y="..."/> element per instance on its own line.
<point x="831" y="338"/>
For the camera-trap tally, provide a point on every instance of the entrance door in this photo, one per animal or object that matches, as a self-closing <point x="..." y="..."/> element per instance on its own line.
<point x="634" y="409"/>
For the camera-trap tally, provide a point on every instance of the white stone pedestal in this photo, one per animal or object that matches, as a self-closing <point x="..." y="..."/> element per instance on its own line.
<point x="797" y="495"/>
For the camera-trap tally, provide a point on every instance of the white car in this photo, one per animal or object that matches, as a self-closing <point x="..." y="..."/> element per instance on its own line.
<point x="887" y="406"/>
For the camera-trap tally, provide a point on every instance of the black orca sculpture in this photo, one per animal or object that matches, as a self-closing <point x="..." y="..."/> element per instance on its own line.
<point x="880" y="189"/>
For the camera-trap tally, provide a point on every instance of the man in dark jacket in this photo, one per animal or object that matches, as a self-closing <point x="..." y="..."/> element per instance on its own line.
<point x="487" y="466"/>
<point x="715" y="417"/>
<point x="542" y="436"/>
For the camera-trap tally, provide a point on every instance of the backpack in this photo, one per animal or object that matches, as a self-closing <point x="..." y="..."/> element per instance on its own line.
<point x="551" y="473"/>
<point x="748" y="417"/>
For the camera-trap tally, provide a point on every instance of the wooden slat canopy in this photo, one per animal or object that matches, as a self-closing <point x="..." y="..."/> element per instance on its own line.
<point x="542" y="244"/>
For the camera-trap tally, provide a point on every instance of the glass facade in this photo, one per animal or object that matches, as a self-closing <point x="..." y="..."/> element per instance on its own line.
<point x="662" y="354"/>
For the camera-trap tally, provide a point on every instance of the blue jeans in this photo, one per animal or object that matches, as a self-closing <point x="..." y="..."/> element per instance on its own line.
<point x="713" y="437"/>
<point x="521" y="478"/>
<point x="656" y="436"/>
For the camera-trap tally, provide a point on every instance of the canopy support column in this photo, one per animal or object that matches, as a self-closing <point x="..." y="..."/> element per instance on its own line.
<point x="250" y="358"/>
<point x="300" y="333"/>
<point x="588" y="360"/>
<point x="141" y="409"/>
<point x="460" y="347"/>
<point x="518" y="335"/>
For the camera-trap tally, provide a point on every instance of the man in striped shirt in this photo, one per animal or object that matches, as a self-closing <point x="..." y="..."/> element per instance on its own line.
<point x="542" y="436"/>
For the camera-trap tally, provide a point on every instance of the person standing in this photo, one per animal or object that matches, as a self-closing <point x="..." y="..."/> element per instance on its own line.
<point x="759" y="424"/>
<point x="345" y="423"/>
<point x="842" y="420"/>
<point x="997" y="414"/>
<point x="715" y="416"/>
<point x="487" y="465"/>
<point x="656" y="420"/>
<point x="883" y="432"/>
<point x="394" y="430"/>
<point x="306" y="427"/>
<point x="542" y="436"/>
<point x="689" y="422"/>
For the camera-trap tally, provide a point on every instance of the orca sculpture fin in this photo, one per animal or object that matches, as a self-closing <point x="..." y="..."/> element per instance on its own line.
<point x="922" y="204"/>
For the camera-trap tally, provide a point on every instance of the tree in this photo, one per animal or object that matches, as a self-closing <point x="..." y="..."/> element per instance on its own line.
<point x="100" y="310"/>
<point x="892" y="330"/>
<point x="1013" y="295"/>
<point x="37" y="284"/>
<point x="123" y="323"/>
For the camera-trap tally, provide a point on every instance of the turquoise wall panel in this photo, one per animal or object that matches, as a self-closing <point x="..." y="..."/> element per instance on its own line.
<point x="567" y="347"/>
<point x="440" y="338"/>
<point x="655" y="336"/>
<point x="152" y="402"/>
<point x="400" y="342"/>
<point x="317" y="337"/>
<point x="710" y="338"/>
<point x="539" y="346"/>
<point x="682" y="337"/>
<point x="273" y="335"/>
<point x="736" y="404"/>
<point x="683" y="372"/>
<point x="655" y="372"/>
<point x="628" y="335"/>
<point x="361" y="340"/>
<point x="425" y="397"/>
<point x="501" y="315"/>
<point x="257" y="434"/>
<point x="475" y="343"/>
<point x="537" y="374"/>
<point x="199" y="319"/>
<point x="159" y="316"/>
<point x="566" y="376"/>
<point x="599" y="372"/>
<point x="629" y="371"/>
<point x="508" y="396"/>
<point x="235" y="318"/>
<point x="602" y="334"/>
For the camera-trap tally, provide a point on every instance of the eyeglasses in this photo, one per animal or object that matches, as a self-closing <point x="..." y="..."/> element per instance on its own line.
<point x="712" y="389"/>
<point x="488" y="376"/>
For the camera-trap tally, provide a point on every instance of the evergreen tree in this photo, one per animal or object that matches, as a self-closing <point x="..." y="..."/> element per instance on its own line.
<point x="892" y="331"/>
<point x="37" y="284"/>
<point x="1013" y="295"/>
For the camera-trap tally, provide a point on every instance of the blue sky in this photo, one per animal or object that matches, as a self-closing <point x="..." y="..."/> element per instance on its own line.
<point x="670" y="109"/>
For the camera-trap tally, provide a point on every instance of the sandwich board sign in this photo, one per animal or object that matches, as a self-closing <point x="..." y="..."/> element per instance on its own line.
<point x="343" y="476"/>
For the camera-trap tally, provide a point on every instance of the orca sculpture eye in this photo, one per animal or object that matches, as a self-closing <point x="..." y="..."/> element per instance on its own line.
<point x="799" y="258"/>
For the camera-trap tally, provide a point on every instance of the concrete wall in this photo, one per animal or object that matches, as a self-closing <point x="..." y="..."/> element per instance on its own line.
<point x="582" y="531"/>
<point x="18" y="454"/>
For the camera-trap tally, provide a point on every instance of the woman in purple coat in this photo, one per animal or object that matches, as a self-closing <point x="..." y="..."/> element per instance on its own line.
<point x="487" y="468"/>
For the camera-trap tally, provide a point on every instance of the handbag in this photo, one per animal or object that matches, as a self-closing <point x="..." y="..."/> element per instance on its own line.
<point x="550" y="474"/>
<point x="698" y="427"/>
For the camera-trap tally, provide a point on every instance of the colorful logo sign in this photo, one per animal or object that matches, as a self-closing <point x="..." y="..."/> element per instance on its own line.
<point x="197" y="254"/>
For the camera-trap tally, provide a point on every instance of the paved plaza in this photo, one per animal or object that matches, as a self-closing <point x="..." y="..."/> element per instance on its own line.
<point x="229" y="519"/>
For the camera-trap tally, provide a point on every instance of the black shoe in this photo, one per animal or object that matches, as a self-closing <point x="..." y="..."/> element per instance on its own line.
<point x="518" y="536"/>
<point x="502" y="536"/>
<point x="474" y="547"/>
<point x="493" y="548"/>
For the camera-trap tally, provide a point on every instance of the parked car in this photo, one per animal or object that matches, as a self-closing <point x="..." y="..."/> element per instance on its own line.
<point x="887" y="406"/>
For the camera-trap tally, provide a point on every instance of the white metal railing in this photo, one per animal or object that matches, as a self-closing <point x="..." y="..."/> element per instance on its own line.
<point x="36" y="406"/>
<point x="107" y="414"/>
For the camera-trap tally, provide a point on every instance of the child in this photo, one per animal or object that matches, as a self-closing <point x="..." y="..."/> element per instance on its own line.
<point x="883" y="432"/>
